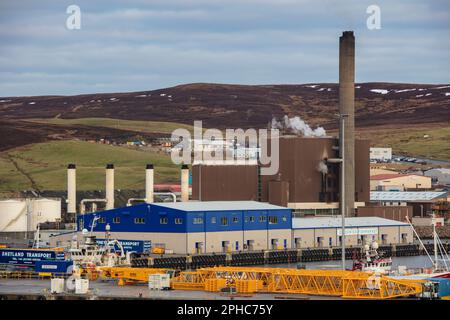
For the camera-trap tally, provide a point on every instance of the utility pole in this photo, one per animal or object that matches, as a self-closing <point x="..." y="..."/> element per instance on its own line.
<point x="433" y="221"/>
<point x="343" y="205"/>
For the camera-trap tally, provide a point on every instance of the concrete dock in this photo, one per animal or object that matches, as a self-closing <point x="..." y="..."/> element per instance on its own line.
<point x="34" y="289"/>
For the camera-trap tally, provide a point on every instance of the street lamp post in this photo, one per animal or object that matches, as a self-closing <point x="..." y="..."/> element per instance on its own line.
<point x="343" y="204"/>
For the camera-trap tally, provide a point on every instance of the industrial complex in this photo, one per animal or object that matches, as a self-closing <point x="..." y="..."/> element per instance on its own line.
<point x="322" y="204"/>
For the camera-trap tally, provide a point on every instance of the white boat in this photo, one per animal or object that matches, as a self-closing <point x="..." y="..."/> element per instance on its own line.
<point x="373" y="261"/>
<point x="90" y="255"/>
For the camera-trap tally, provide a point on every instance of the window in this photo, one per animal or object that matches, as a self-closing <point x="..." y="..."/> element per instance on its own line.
<point x="262" y="218"/>
<point x="197" y="220"/>
<point x="139" y="220"/>
<point x="178" y="221"/>
<point x="404" y="237"/>
<point x="224" y="221"/>
<point x="235" y="219"/>
<point x="298" y="242"/>
<point x="163" y="220"/>
<point x="246" y="219"/>
<point x="273" y="219"/>
<point x="320" y="242"/>
<point x="213" y="220"/>
<point x="116" y="220"/>
<point x="102" y="220"/>
<point x="274" y="243"/>
<point x="252" y="219"/>
<point x="284" y="218"/>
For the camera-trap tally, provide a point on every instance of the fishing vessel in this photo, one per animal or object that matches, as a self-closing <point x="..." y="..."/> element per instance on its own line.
<point x="372" y="261"/>
<point x="89" y="254"/>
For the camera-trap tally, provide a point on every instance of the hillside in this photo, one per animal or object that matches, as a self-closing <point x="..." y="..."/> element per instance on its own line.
<point x="243" y="106"/>
<point x="42" y="166"/>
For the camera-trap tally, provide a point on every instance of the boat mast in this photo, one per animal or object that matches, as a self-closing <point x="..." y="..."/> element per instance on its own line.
<point x="421" y="243"/>
<point x="433" y="221"/>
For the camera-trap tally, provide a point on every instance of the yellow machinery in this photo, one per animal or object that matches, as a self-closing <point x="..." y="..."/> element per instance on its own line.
<point x="346" y="284"/>
<point x="338" y="283"/>
<point x="158" y="250"/>
<point x="127" y="275"/>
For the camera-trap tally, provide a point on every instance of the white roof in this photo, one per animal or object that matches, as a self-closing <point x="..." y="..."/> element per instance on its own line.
<point x="405" y="195"/>
<point x="219" y="205"/>
<point x="336" y="222"/>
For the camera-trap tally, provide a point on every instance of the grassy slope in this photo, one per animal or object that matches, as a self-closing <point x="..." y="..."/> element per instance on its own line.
<point x="130" y="125"/>
<point x="411" y="141"/>
<point x="45" y="164"/>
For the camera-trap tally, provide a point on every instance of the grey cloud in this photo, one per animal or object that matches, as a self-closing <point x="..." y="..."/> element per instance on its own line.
<point x="140" y="45"/>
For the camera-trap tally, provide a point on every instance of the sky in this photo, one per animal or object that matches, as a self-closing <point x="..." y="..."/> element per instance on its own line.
<point x="139" y="45"/>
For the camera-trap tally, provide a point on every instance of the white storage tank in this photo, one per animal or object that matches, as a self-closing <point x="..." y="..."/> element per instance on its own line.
<point x="44" y="210"/>
<point x="13" y="216"/>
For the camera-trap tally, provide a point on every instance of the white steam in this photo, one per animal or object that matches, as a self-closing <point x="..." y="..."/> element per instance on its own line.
<point x="298" y="126"/>
<point x="322" y="167"/>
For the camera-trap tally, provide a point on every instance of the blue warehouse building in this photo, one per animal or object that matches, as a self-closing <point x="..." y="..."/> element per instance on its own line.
<point x="197" y="226"/>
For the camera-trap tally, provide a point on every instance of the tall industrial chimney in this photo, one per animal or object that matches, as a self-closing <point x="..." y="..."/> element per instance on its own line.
<point x="184" y="183"/>
<point x="149" y="178"/>
<point x="71" y="190"/>
<point x="109" y="186"/>
<point x="347" y="110"/>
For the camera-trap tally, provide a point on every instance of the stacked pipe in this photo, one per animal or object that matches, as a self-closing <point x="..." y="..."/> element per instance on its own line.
<point x="71" y="189"/>
<point x="347" y="109"/>
<point x="109" y="186"/>
<point x="149" y="183"/>
<point x="184" y="183"/>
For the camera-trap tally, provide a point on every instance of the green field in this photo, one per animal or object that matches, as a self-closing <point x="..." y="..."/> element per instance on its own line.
<point x="411" y="141"/>
<point x="130" y="125"/>
<point x="44" y="165"/>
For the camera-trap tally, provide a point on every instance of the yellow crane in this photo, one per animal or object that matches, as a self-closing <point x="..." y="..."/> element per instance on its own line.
<point x="127" y="275"/>
<point x="338" y="283"/>
<point x="346" y="284"/>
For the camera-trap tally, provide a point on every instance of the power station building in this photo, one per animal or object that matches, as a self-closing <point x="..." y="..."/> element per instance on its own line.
<point x="306" y="182"/>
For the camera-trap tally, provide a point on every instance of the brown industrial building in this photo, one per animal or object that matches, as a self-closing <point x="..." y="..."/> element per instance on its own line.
<point x="299" y="183"/>
<point x="398" y="213"/>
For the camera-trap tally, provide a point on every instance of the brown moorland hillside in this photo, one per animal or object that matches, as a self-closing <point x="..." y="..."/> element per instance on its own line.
<point x="223" y="105"/>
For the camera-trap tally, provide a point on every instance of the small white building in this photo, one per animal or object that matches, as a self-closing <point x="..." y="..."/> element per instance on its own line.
<point x="380" y="154"/>
<point x="401" y="182"/>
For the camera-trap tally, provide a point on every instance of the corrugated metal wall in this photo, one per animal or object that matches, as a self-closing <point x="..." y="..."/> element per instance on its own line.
<point x="299" y="160"/>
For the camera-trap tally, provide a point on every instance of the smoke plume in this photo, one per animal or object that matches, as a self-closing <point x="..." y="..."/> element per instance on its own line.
<point x="322" y="167"/>
<point x="298" y="126"/>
